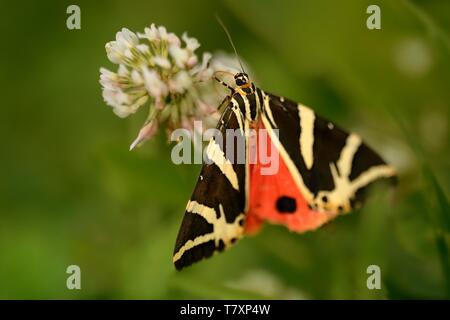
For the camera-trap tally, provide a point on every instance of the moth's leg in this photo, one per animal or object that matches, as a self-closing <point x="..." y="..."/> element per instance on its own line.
<point x="225" y="123"/>
<point x="224" y="103"/>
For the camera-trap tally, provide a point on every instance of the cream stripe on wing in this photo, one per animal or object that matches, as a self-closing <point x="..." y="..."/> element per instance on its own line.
<point x="247" y="165"/>
<point x="307" y="118"/>
<point x="258" y="102"/>
<point x="345" y="161"/>
<point x="382" y="171"/>
<point x="222" y="230"/>
<point x="344" y="189"/>
<point x="247" y="107"/>
<point x="306" y="193"/>
<point x="267" y="109"/>
<point x="191" y="244"/>
<point x="206" y="212"/>
<point x="238" y="114"/>
<point x="215" y="153"/>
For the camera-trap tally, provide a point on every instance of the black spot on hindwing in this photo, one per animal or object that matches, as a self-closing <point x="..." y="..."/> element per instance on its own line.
<point x="286" y="205"/>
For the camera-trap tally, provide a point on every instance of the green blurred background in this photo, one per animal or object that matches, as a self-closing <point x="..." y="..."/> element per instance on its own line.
<point x="72" y="193"/>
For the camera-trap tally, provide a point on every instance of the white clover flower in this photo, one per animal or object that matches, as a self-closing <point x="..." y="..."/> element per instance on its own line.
<point x="158" y="69"/>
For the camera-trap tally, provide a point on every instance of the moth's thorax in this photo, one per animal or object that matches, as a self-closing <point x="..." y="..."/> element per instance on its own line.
<point x="247" y="99"/>
<point x="246" y="89"/>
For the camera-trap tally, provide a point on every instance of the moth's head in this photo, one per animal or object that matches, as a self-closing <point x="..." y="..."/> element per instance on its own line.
<point x="241" y="79"/>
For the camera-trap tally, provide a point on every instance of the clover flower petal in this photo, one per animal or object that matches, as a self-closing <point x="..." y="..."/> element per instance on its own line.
<point x="192" y="44"/>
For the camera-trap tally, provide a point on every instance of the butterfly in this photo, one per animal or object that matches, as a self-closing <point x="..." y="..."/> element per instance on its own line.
<point x="322" y="172"/>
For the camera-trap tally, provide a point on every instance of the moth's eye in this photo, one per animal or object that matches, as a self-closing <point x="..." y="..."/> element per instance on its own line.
<point x="240" y="81"/>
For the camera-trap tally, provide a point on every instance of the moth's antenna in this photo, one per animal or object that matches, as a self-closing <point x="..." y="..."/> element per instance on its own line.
<point x="231" y="40"/>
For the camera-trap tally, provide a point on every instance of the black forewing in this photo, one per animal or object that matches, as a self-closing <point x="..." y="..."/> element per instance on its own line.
<point x="201" y="234"/>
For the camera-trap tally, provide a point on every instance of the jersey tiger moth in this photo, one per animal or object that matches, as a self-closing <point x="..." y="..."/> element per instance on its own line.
<point x="323" y="172"/>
